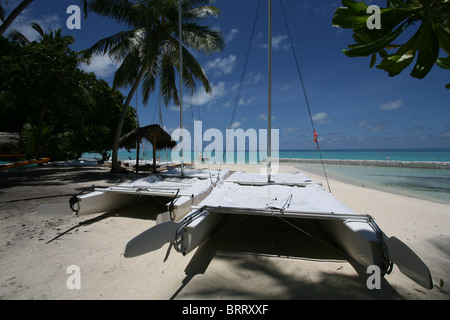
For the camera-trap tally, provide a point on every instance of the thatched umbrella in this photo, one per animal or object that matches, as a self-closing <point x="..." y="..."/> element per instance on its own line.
<point x="159" y="138"/>
<point x="9" y="142"/>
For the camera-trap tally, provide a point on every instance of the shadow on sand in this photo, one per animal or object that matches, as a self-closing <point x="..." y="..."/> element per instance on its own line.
<point x="147" y="208"/>
<point x="255" y="245"/>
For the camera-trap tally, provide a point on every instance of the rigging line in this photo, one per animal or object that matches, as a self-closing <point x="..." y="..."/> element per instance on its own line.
<point x="325" y="243"/>
<point x="219" y="232"/>
<point x="137" y="112"/>
<point x="304" y="92"/>
<point x="155" y="112"/>
<point x="192" y="109"/>
<point x="203" y="142"/>
<point x="236" y="103"/>
<point x="160" y="110"/>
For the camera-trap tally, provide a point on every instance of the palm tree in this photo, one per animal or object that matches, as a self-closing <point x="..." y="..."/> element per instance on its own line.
<point x="149" y="50"/>
<point x="57" y="42"/>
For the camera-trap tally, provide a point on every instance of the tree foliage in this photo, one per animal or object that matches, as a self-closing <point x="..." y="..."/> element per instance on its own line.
<point x="423" y="47"/>
<point x="149" y="50"/>
<point x="60" y="110"/>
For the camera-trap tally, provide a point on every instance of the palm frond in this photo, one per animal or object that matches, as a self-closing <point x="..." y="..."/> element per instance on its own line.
<point x="203" y="38"/>
<point x="195" y="70"/>
<point x="123" y="11"/>
<point x="18" y="37"/>
<point x="167" y="81"/>
<point x="36" y="26"/>
<point x="2" y="13"/>
<point x="121" y="40"/>
<point x="200" y="13"/>
<point x="129" y="70"/>
<point x="149" y="83"/>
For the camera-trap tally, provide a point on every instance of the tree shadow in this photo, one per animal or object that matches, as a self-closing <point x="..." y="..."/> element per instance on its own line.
<point x="148" y="208"/>
<point x="256" y="244"/>
<point x="56" y="176"/>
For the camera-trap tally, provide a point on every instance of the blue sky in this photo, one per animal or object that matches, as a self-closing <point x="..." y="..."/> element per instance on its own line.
<point x="353" y="107"/>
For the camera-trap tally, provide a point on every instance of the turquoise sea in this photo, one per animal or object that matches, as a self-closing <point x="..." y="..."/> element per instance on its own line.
<point x="430" y="184"/>
<point x="439" y="155"/>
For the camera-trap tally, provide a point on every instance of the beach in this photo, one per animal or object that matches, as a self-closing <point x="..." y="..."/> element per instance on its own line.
<point x="225" y="267"/>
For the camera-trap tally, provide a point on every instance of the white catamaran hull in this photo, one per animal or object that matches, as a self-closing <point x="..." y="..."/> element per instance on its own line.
<point x="181" y="193"/>
<point x="355" y="235"/>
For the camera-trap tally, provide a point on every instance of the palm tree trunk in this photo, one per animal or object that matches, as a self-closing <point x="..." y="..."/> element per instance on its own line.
<point x="38" y="143"/>
<point x="13" y="15"/>
<point x="115" y="157"/>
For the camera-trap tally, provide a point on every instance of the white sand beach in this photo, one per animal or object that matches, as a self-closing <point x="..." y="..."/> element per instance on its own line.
<point x="228" y="266"/>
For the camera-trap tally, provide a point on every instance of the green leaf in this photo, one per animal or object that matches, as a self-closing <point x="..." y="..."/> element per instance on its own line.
<point x="428" y="51"/>
<point x="373" y="60"/>
<point x="443" y="34"/>
<point x="444" y="63"/>
<point x="2" y="13"/>
<point x="396" y="4"/>
<point x="395" y="63"/>
<point x="374" y="47"/>
<point x="345" y="17"/>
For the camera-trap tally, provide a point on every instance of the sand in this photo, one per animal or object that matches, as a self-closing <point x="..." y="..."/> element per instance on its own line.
<point x="228" y="266"/>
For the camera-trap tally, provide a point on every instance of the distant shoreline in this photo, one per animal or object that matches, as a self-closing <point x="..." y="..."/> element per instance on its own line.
<point x="380" y="163"/>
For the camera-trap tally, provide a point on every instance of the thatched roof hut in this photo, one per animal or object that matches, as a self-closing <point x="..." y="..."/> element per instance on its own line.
<point x="159" y="139"/>
<point x="9" y="142"/>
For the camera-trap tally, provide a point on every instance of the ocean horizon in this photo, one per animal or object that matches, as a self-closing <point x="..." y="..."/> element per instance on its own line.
<point x="250" y="157"/>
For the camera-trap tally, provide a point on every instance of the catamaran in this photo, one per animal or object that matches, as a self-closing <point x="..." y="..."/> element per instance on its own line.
<point x="284" y="196"/>
<point x="180" y="192"/>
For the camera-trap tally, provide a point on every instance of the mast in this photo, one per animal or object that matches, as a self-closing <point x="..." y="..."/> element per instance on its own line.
<point x="269" y="131"/>
<point x="180" y="23"/>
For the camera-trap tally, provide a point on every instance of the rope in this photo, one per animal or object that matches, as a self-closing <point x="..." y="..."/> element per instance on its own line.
<point x="306" y="96"/>
<point x="238" y="97"/>
<point x="236" y="103"/>
<point x="316" y="238"/>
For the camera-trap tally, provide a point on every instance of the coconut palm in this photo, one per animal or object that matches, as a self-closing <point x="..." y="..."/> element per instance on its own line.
<point x="149" y="50"/>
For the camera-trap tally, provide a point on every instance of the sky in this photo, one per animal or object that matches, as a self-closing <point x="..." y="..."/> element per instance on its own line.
<point x="352" y="106"/>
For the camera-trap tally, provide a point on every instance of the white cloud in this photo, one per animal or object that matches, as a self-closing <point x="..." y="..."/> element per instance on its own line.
<point x="232" y="34"/>
<point x="291" y="129"/>
<point x="254" y="77"/>
<point x="374" y="126"/>
<point x="204" y="99"/>
<point x="265" y="117"/>
<point x="279" y="42"/>
<point x="222" y="66"/>
<point x="10" y="5"/>
<point x="246" y="102"/>
<point x="321" y="118"/>
<point x="388" y="106"/>
<point x="236" y="125"/>
<point x="218" y="91"/>
<point x="23" y="25"/>
<point x="102" y="66"/>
